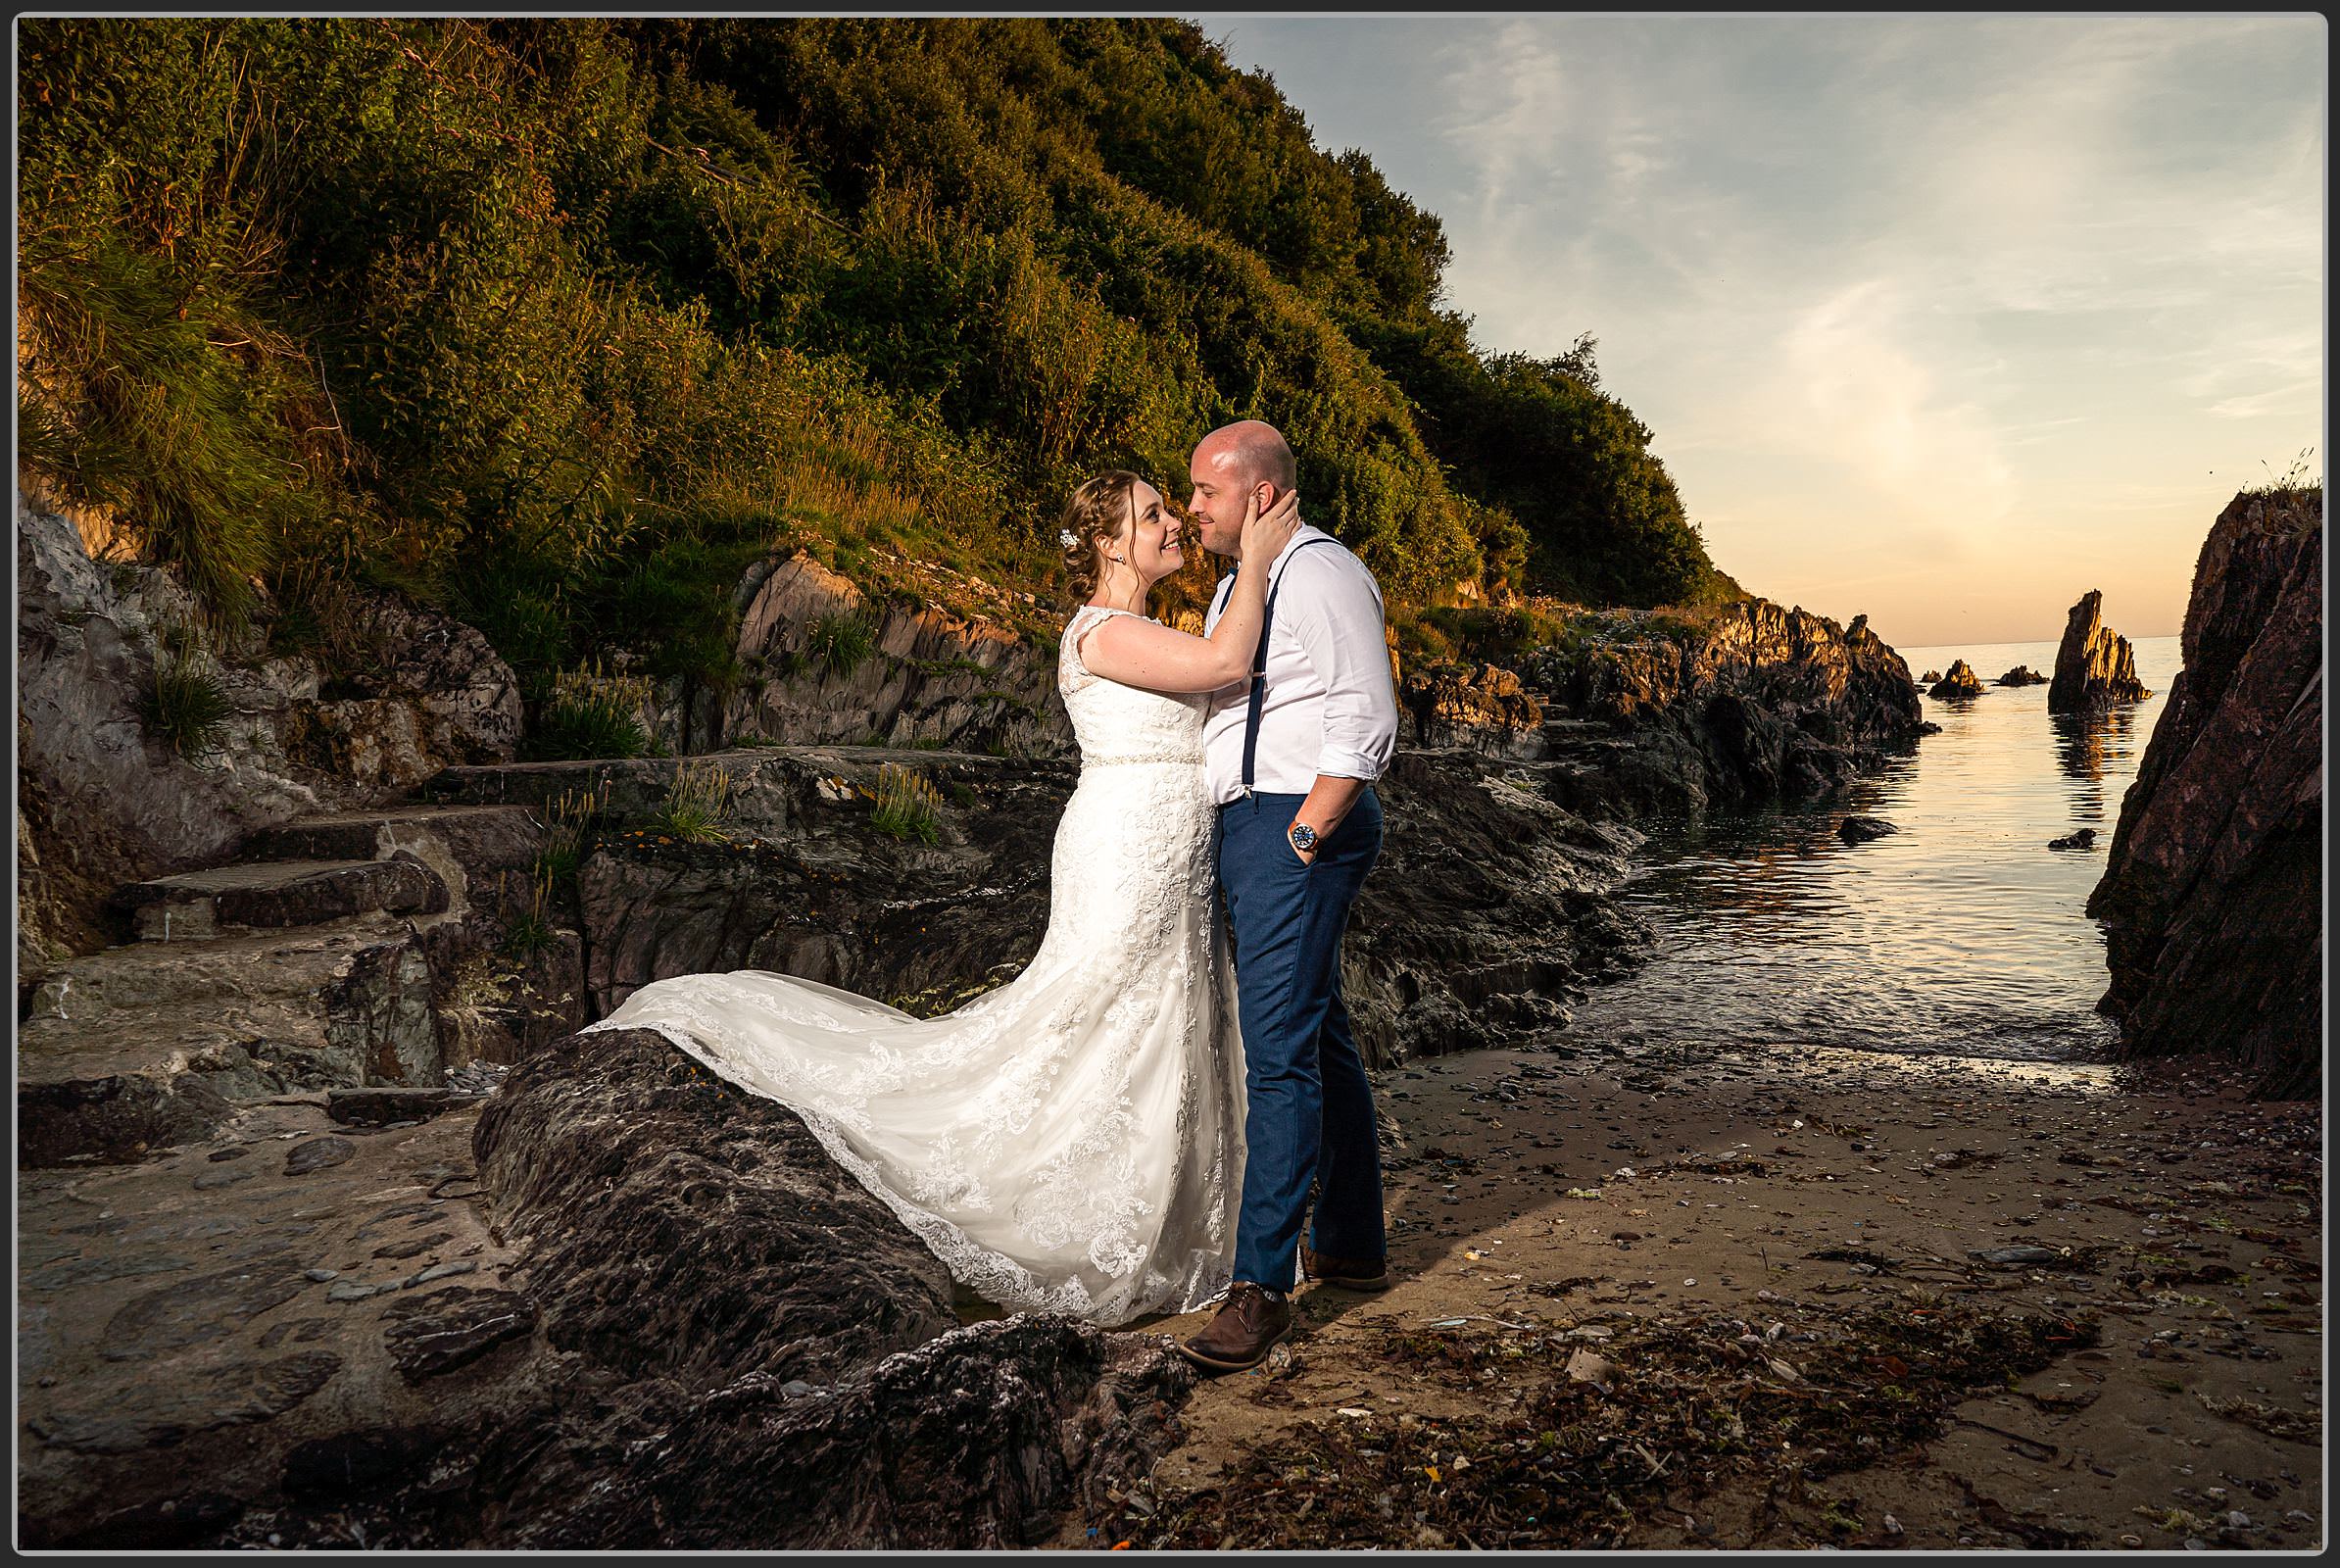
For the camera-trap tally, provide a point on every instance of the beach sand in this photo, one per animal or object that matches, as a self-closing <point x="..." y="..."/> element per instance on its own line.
<point x="1703" y="1188"/>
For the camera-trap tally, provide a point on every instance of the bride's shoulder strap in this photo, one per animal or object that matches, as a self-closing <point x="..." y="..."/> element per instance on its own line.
<point x="1085" y="620"/>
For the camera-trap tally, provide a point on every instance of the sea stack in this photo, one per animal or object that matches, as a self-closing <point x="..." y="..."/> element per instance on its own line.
<point x="2211" y="892"/>
<point x="2094" y="668"/>
<point x="1961" y="681"/>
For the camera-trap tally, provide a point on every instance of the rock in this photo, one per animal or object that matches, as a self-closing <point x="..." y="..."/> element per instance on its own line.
<point x="1650" y="712"/>
<point x="437" y="1271"/>
<point x="2079" y="839"/>
<point x="434" y="1333"/>
<point x="1860" y="829"/>
<point x="1588" y="1366"/>
<point x="931" y="678"/>
<point x="1484" y="708"/>
<point x="317" y="1154"/>
<point x="237" y="1396"/>
<point x="101" y="804"/>
<point x="2094" y="666"/>
<point x="614" y="1149"/>
<point x="194" y="1311"/>
<point x="213" y="1180"/>
<point x="2211" y="892"/>
<point x="375" y="1106"/>
<point x="1959" y="681"/>
<point x="1930" y="677"/>
<point x="2022" y="675"/>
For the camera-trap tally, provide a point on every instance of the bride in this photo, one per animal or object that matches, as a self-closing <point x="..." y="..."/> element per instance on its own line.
<point x="1073" y="1141"/>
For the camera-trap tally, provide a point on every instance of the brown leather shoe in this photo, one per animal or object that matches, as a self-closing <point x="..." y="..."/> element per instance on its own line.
<point x="1250" y="1320"/>
<point x="1350" y="1273"/>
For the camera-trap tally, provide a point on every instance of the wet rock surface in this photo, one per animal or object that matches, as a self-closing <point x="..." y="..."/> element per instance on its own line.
<point x="2095" y="667"/>
<point x="2212" y="885"/>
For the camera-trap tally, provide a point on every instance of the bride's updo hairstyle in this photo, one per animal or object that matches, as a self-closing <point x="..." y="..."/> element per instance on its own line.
<point x="1092" y="519"/>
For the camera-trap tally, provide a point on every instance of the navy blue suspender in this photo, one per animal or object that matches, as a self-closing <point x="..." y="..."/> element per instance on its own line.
<point x="1267" y="624"/>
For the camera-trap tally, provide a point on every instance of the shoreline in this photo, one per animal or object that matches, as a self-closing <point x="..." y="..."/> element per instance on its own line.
<point x="2185" y="1219"/>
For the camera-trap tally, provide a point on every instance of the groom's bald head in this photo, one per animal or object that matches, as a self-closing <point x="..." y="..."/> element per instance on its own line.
<point x="1250" y="452"/>
<point x="1228" y="466"/>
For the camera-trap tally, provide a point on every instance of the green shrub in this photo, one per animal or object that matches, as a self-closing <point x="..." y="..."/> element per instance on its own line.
<point x="558" y="322"/>
<point x="531" y="930"/>
<point x="908" y="806"/>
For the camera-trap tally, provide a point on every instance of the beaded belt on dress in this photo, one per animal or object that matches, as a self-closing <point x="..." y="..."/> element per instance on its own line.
<point x="1194" y="758"/>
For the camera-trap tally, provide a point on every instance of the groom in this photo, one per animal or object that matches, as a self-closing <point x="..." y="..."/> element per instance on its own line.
<point x="1290" y="757"/>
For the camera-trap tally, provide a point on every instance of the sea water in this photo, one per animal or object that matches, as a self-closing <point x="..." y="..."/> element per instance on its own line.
<point x="1960" y="934"/>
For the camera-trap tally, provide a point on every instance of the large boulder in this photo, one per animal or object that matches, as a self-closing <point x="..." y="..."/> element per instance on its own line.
<point x="823" y="664"/>
<point x="761" y="1355"/>
<point x="2095" y="667"/>
<point x="2210" y="896"/>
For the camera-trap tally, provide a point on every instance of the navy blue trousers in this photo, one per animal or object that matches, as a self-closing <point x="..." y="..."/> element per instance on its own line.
<point x="1310" y="1116"/>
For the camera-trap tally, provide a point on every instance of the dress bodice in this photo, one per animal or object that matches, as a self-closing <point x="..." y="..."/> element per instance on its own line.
<point x="1117" y="723"/>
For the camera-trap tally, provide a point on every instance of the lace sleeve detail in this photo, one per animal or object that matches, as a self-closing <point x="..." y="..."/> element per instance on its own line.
<point x="1071" y="673"/>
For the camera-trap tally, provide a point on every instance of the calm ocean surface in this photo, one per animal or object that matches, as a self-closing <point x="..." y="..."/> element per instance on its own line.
<point x="1962" y="934"/>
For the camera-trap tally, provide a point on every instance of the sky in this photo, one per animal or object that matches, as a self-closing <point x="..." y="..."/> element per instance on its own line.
<point x="1942" y="320"/>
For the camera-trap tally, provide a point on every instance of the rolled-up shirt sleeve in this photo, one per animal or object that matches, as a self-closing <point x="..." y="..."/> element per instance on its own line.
<point x="1338" y="625"/>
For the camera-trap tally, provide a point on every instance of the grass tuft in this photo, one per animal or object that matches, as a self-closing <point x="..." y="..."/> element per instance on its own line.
<point x="590" y="715"/>
<point x="696" y="809"/>
<point x="908" y="806"/>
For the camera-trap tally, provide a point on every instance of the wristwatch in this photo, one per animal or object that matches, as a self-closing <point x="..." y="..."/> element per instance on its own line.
<point x="1304" y="837"/>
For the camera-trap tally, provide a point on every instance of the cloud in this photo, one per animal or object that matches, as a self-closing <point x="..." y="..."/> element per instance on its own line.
<point x="1878" y="280"/>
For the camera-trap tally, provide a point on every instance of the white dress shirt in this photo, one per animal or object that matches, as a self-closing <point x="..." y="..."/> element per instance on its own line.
<point x="1329" y="707"/>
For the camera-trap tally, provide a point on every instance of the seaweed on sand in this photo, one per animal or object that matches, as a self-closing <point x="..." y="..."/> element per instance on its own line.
<point x="1679" y="1406"/>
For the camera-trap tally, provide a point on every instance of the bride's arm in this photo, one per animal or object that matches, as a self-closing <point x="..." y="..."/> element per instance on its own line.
<point x="1162" y="658"/>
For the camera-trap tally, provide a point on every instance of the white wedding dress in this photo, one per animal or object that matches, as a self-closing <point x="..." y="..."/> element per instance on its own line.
<point x="1072" y="1140"/>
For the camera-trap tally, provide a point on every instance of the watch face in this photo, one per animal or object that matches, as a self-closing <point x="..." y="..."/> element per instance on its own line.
<point x="1304" y="836"/>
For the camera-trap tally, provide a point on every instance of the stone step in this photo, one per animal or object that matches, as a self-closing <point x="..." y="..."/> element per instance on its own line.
<point x="200" y="905"/>
<point x="147" y="1045"/>
<point x="375" y="834"/>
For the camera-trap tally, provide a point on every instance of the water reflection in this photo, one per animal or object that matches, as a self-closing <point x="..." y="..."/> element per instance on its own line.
<point x="1962" y="934"/>
<point x="2084" y="741"/>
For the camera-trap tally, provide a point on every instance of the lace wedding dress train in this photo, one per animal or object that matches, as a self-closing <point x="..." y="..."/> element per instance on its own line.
<point x="1072" y="1140"/>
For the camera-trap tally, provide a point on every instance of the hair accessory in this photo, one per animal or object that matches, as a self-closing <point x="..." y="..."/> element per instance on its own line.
<point x="1067" y="538"/>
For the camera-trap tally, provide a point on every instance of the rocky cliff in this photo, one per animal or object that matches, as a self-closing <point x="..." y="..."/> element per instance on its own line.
<point x="103" y="800"/>
<point x="2211" y="895"/>
<point x="1650" y="713"/>
<point x="2095" y="667"/>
